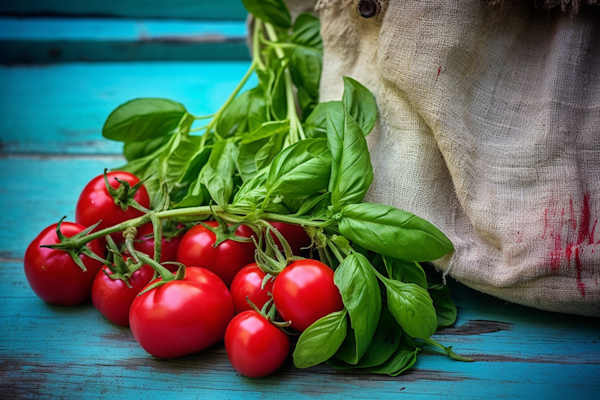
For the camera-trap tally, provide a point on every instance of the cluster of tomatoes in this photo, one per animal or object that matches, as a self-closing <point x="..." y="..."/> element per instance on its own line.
<point x="209" y="304"/>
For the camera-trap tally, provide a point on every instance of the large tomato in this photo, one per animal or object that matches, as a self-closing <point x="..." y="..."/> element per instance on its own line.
<point x="53" y="275"/>
<point x="113" y="298"/>
<point x="247" y="283"/>
<point x="304" y="292"/>
<point x="293" y="234"/>
<point x="183" y="316"/>
<point x="255" y="347"/>
<point x="196" y="248"/>
<point x="95" y="203"/>
<point x="144" y="242"/>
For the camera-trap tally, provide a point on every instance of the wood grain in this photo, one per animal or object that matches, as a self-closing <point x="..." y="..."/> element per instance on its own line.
<point x="51" y="40"/>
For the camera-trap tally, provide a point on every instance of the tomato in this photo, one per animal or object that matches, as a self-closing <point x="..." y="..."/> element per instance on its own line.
<point x="53" y="275"/>
<point x="95" y="203"/>
<point x="168" y="250"/>
<point x="183" y="316"/>
<point x="293" y="234"/>
<point x="196" y="248"/>
<point x="304" y="292"/>
<point x="255" y="347"/>
<point x="113" y="298"/>
<point x="247" y="282"/>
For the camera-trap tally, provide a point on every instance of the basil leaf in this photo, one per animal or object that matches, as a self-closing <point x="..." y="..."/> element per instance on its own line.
<point x="321" y="340"/>
<point x="405" y="271"/>
<point x="196" y="195"/>
<point x="392" y="232"/>
<point x="300" y="170"/>
<point x="259" y="148"/>
<point x="360" y="103"/>
<point x="315" y="125"/>
<point x="217" y="174"/>
<point x="143" y="119"/>
<point x="404" y="358"/>
<point x="306" y="61"/>
<point x="412" y="307"/>
<point x="272" y="11"/>
<point x="307" y="31"/>
<point x="384" y="344"/>
<point x="444" y="306"/>
<point x="135" y="150"/>
<point x="245" y="114"/>
<point x="359" y="288"/>
<point x="351" y="170"/>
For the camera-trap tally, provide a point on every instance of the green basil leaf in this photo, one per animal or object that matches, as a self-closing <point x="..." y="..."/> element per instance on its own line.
<point x="253" y="191"/>
<point x="135" y="150"/>
<point x="351" y="170"/>
<point x="196" y="195"/>
<point x="315" y="125"/>
<point x="360" y="292"/>
<point x="392" y="232"/>
<point x="404" y="358"/>
<point x="217" y="174"/>
<point x="321" y="340"/>
<point x="143" y="119"/>
<point x="245" y="114"/>
<point x="412" y="307"/>
<point x="260" y="147"/>
<point x="306" y="64"/>
<point x="405" y="271"/>
<point x="384" y="344"/>
<point x="307" y="31"/>
<point x="267" y="130"/>
<point x="272" y="11"/>
<point x="183" y="158"/>
<point x="300" y="170"/>
<point x="444" y="306"/>
<point x="360" y="103"/>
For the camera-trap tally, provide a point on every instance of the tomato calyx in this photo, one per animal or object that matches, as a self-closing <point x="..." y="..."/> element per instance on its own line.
<point x="121" y="269"/>
<point x="269" y="312"/>
<point x="272" y="260"/>
<point x="76" y="245"/>
<point x="165" y="275"/>
<point x="123" y="195"/>
<point x="225" y="231"/>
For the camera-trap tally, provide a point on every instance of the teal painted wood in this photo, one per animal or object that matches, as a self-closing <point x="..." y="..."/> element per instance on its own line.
<point x="46" y="40"/>
<point x="195" y="9"/>
<point x="48" y="351"/>
<point x="61" y="108"/>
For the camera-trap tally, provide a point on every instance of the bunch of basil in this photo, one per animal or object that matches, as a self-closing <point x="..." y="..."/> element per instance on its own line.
<point x="274" y="153"/>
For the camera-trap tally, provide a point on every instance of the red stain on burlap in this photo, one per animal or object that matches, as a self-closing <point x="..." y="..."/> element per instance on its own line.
<point x="579" y="235"/>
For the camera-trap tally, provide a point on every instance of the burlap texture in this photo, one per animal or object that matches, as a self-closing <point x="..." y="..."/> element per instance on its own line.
<point x="489" y="127"/>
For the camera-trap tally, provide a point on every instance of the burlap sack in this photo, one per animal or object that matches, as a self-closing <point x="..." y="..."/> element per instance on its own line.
<point x="489" y="127"/>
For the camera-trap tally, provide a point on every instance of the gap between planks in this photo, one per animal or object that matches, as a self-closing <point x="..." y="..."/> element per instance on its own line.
<point x="76" y="156"/>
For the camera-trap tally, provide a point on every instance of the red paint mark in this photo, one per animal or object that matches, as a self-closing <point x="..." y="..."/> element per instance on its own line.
<point x="545" y="223"/>
<point x="580" y="236"/>
<point x="580" y="284"/>
<point x="439" y="72"/>
<point x="555" y="253"/>
<point x="572" y="216"/>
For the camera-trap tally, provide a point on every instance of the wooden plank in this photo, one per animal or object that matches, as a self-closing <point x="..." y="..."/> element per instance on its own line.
<point x="54" y="351"/>
<point x="49" y="40"/>
<point x="194" y="9"/>
<point x="61" y="108"/>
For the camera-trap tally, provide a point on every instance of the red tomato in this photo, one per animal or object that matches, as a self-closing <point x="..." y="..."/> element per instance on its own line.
<point x="304" y="292"/>
<point x="95" y="203"/>
<point x="196" y="248"/>
<point x="53" y="275"/>
<point x="183" y="316"/>
<point x="293" y="234"/>
<point x="113" y="298"/>
<point x="168" y="250"/>
<point x="255" y="347"/>
<point x="247" y="282"/>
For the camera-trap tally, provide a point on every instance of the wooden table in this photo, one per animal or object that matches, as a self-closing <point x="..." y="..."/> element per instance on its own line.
<point x="51" y="116"/>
